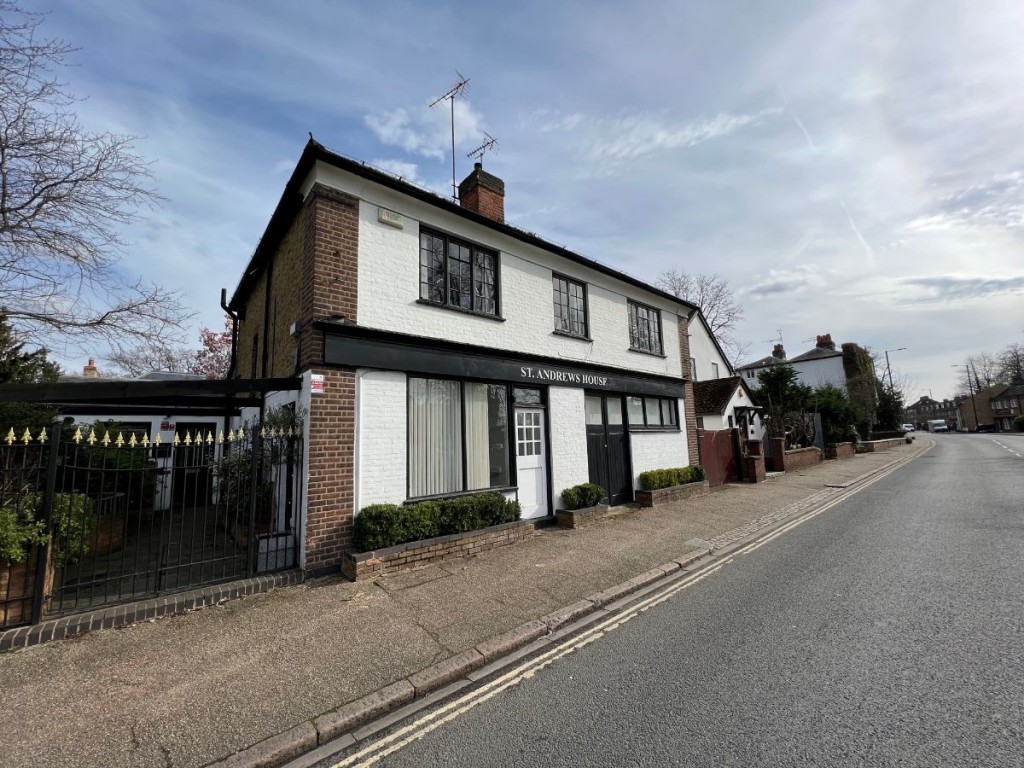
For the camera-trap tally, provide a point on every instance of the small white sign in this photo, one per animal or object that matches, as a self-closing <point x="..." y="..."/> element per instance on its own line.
<point x="316" y="384"/>
<point x="392" y="219"/>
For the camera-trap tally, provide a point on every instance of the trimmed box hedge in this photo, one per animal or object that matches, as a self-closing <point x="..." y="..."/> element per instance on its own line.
<point x="379" y="526"/>
<point x="582" y="496"/>
<point x="656" y="479"/>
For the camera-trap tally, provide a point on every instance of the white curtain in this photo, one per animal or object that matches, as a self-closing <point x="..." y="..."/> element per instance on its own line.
<point x="435" y="437"/>
<point x="478" y="453"/>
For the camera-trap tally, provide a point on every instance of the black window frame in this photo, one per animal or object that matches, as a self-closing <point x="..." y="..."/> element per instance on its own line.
<point x="670" y="403"/>
<point x="510" y="405"/>
<point x="634" y="309"/>
<point x="477" y="273"/>
<point x="569" y="282"/>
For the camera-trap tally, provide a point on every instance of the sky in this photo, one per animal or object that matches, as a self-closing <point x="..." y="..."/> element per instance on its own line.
<point x="853" y="168"/>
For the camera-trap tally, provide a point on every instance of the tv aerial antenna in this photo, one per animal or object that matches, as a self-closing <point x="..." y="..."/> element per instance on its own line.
<point x="776" y="340"/>
<point x="489" y="145"/>
<point x="460" y="88"/>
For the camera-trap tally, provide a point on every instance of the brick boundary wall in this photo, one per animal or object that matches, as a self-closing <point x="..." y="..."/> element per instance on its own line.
<point x="754" y="470"/>
<point x="674" y="493"/>
<point x="839" y="451"/>
<point x="800" y="458"/>
<point x="689" y="406"/>
<point x="873" y="446"/>
<point x="419" y="554"/>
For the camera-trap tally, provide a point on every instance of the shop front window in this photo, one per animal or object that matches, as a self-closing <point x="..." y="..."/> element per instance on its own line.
<point x="458" y="437"/>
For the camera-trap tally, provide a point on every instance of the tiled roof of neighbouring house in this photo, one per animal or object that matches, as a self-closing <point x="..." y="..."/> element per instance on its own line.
<point x="770" y="360"/>
<point x="1015" y="391"/>
<point x="713" y="395"/>
<point x="818" y="353"/>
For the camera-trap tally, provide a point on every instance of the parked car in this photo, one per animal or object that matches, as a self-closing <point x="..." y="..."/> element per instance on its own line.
<point x="986" y="428"/>
<point x="907" y="427"/>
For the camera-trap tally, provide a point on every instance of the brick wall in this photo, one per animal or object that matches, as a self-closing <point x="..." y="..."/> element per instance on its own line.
<point x="839" y="451"/>
<point x="690" y="412"/>
<point x="418" y="554"/>
<point x="800" y="458"/>
<point x="330" y="502"/>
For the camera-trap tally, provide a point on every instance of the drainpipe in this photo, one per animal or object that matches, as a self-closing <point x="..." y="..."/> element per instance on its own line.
<point x="234" y="328"/>
<point x="266" y="318"/>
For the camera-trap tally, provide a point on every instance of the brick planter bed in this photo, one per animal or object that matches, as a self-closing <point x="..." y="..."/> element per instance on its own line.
<point x="675" y="493"/>
<point x="800" y="458"/>
<point x="578" y="518"/>
<point x="839" y="451"/>
<point x="357" y="566"/>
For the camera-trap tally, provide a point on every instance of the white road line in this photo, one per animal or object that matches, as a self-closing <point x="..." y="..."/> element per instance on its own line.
<point x="433" y="720"/>
<point x="1003" y="445"/>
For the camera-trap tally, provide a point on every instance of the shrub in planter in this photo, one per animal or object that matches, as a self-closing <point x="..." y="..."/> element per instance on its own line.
<point x="1018" y="423"/>
<point x="582" y="496"/>
<point x="385" y="525"/>
<point x="19" y="532"/>
<point x="656" y="479"/>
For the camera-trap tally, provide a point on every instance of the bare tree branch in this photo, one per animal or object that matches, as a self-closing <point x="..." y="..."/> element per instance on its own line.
<point x="65" y="194"/>
<point x="715" y="298"/>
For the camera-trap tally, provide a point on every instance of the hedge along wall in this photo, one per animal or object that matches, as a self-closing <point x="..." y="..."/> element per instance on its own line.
<point x="419" y="554"/>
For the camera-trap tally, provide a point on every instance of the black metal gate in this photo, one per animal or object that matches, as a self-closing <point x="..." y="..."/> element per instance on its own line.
<point x="92" y="515"/>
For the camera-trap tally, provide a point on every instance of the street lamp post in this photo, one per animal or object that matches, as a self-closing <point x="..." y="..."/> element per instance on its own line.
<point x="888" y="369"/>
<point x="970" y="388"/>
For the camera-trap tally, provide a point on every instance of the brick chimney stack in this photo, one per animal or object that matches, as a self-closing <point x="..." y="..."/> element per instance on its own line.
<point x="825" y="342"/>
<point x="90" y="371"/>
<point x="483" y="193"/>
<point x="778" y="352"/>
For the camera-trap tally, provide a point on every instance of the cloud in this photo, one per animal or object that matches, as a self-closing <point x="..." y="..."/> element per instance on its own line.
<point x="946" y="288"/>
<point x="399" y="168"/>
<point x="427" y="131"/>
<point x="785" y="281"/>
<point x="632" y="136"/>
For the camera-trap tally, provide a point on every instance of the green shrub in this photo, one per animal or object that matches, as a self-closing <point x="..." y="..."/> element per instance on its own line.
<point x="385" y="525"/>
<point x="656" y="479"/>
<point x="1018" y="423"/>
<point x="582" y="496"/>
<point x="19" y="531"/>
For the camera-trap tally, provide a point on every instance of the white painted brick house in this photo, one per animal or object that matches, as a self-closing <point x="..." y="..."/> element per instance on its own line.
<point x="456" y="353"/>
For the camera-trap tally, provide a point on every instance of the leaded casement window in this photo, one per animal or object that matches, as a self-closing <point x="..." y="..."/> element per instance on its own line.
<point x="570" y="299"/>
<point x="652" y="413"/>
<point x="458" y="275"/>
<point x="458" y="437"/>
<point x="644" y="328"/>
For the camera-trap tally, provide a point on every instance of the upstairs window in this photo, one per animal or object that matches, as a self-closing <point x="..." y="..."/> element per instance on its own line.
<point x="644" y="328"/>
<point x="570" y="299"/>
<point x="458" y="275"/>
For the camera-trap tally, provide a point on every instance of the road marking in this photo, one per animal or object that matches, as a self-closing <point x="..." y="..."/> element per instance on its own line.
<point x="458" y="707"/>
<point x="1003" y="445"/>
<point x="406" y="735"/>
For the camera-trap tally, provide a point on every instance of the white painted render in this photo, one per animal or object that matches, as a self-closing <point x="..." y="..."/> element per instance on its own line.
<point x="813" y="373"/>
<point x="389" y="287"/>
<point x="568" y="438"/>
<point x="704" y="351"/>
<point x="657" y="450"/>
<point x="381" y="436"/>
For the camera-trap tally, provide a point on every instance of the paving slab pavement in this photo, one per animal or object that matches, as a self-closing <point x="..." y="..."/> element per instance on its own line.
<point x="185" y="690"/>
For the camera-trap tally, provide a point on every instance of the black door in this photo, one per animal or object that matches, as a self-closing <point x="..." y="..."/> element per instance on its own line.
<point x="190" y="484"/>
<point x="608" y="447"/>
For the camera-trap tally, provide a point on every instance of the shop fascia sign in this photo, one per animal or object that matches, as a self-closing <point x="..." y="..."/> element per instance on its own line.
<point x="555" y="376"/>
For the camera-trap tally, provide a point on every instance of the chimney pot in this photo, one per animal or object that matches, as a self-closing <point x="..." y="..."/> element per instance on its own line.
<point x="90" y="371"/>
<point x="778" y="352"/>
<point x="825" y="342"/>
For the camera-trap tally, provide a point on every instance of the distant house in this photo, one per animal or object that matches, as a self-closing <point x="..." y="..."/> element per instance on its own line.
<point x="927" y="409"/>
<point x="821" y="365"/>
<point x="976" y="409"/>
<point x="1006" y="406"/>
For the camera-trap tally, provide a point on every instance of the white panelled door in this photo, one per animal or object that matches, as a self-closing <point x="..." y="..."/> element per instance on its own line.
<point x="531" y="467"/>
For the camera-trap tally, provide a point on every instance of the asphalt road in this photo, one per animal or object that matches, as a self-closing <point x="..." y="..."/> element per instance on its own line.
<point x="888" y="630"/>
